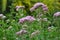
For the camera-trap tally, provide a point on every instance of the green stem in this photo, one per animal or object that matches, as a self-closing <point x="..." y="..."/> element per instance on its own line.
<point x="4" y="4"/>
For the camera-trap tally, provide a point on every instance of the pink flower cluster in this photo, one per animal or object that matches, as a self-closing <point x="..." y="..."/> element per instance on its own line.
<point x="27" y="18"/>
<point x="44" y="7"/>
<point x="57" y="14"/>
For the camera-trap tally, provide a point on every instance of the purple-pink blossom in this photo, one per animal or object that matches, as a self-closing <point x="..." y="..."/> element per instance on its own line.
<point x="21" y="20"/>
<point x="37" y="5"/>
<point x="44" y="6"/>
<point x="57" y="14"/>
<point x="45" y="9"/>
<point x="27" y="18"/>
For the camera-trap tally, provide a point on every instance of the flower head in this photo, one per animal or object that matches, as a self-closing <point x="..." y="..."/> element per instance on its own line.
<point x="2" y="16"/>
<point x="21" y="20"/>
<point x="45" y="9"/>
<point x="30" y="18"/>
<point x="18" y="7"/>
<point x="51" y="28"/>
<point x="44" y="6"/>
<point x="27" y="18"/>
<point x="57" y="14"/>
<point x="35" y="33"/>
<point x="45" y="19"/>
<point x="37" y="5"/>
<point x="32" y="9"/>
<point x="21" y="32"/>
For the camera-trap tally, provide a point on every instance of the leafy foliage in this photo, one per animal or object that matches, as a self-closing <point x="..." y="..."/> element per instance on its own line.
<point x="47" y="24"/>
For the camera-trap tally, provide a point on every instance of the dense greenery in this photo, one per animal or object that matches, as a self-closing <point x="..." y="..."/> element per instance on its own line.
<point x="49" y="30"/>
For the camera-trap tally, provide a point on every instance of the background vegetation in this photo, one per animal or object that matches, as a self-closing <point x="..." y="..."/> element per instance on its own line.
<point x="49" y="30"/>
